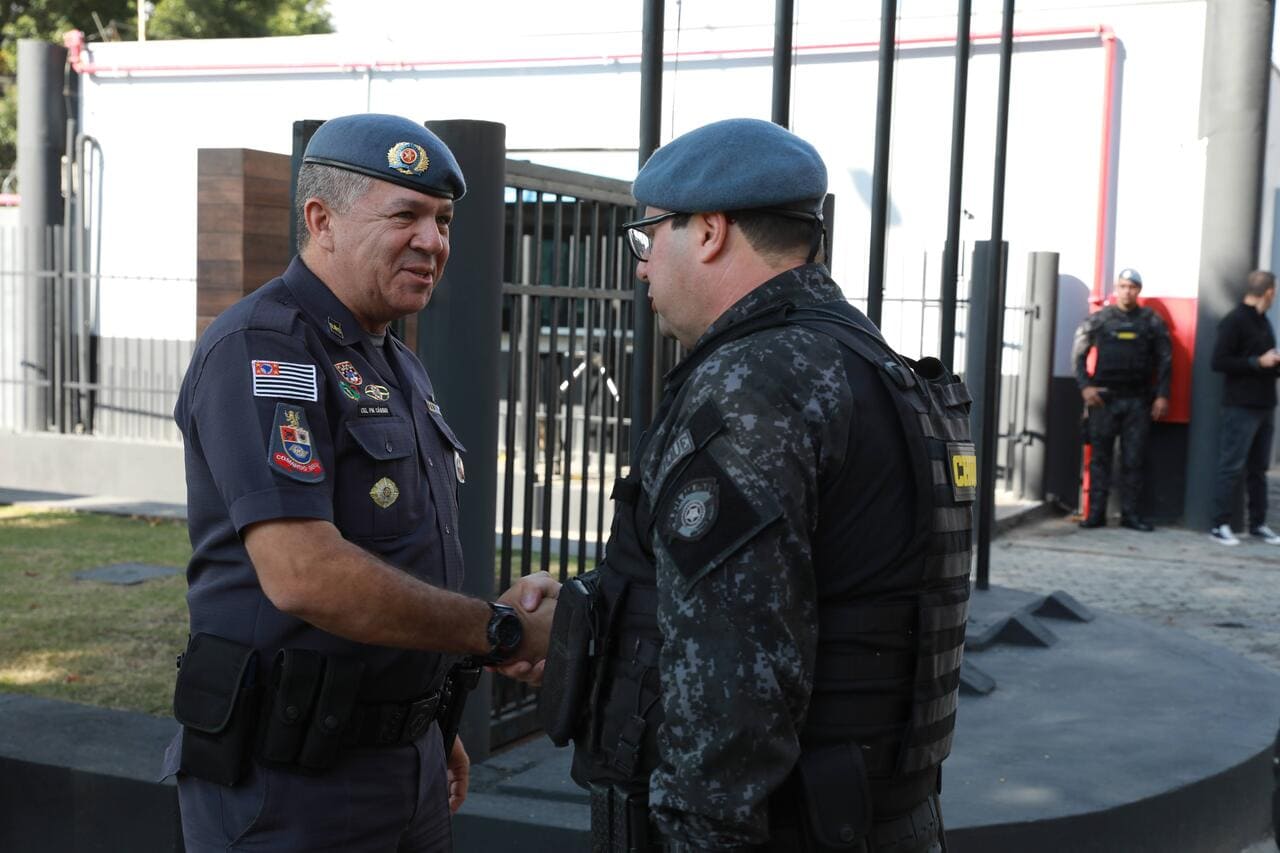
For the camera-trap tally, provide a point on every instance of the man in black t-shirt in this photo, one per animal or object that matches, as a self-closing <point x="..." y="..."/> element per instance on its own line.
<point x="1246" y="352"/>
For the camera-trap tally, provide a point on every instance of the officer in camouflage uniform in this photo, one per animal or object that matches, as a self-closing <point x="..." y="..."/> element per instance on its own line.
<point x="781" y="609"/>
<point x="1133" y="367"/>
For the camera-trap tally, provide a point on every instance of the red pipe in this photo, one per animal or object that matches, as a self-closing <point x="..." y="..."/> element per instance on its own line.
<point x="79" y="64"/>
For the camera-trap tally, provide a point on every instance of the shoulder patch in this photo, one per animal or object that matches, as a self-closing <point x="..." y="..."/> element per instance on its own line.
<point x="706" y="517"/>
<point x="292" y="452"/>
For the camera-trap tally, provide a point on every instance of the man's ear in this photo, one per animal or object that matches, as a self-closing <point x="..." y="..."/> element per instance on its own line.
<point x="319" y="219"/>
<point x="712" y="232"/>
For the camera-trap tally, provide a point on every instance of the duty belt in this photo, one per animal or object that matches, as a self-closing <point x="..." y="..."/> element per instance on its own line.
<point x="391" y="723"/>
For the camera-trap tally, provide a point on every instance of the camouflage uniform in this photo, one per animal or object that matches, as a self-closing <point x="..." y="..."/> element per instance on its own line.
<point x="1133" y="367"/>
<point x="736" y="597"/>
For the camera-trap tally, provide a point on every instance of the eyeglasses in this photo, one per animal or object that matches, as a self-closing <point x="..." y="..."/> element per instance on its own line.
<point x="640" y="241"/>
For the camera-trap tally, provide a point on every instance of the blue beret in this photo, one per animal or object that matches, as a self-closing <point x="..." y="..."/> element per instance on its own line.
<point x="1131" y="275"/>
<point x="735" y="164"/>
<point x="389" y="148"/>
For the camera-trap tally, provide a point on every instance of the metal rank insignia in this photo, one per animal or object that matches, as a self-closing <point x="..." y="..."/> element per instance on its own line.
<point x="377" y="392"/>
<point x="384" y="492"/>
<point x="408" y="158"/>
<point x="694" y="510"/>
<point x="459" y="468"/>
<point x="335" y="328"/>
<point x="348" y="371"/>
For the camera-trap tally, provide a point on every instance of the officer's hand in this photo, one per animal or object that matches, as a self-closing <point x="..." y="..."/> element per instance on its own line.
<point x="1159" y="408"/>
<point x="528" y="592"/>
<point x="1269" y="359"/>
<point x="1092" y="396"/>
<point x="459" y="773"/>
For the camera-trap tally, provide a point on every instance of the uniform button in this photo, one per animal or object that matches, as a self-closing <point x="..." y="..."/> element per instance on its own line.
<point x="847" y="834"/>
<point x="447" y="530"/>
<point x="330" y="723"/>
<point x="431" y="463"/>
<point x="291" y="713"/>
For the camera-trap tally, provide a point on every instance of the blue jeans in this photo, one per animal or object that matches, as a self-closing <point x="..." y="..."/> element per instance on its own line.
<point x="1244" y="445"/>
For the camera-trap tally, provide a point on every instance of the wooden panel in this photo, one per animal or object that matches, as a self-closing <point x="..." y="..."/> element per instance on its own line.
<point x="243" y="225"/>
<point x="220" y="161"/>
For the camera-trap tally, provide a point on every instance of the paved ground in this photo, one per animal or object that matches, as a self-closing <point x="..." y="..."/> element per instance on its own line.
<point x="1173" y="576"/>
<point x="1177" y="577"/>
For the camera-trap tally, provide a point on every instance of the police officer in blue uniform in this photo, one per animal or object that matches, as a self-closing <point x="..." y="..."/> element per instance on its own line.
<point x="323" y="486"/>
<point x="768" y="657"/>
<point x="1129" y="387"/>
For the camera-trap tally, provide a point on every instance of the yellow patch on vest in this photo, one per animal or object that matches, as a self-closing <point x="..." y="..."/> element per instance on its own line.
<point x="1127" y="336"/>
<point x="964" y="470"/>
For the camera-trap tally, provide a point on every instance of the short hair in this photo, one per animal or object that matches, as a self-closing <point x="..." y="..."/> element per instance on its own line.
<point x="772" y="234"/>
<point x="337" y="188"/>
<point x="1259" y="282"/>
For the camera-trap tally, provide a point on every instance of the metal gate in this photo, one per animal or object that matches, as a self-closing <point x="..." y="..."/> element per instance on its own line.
<point x="564" y="421"/>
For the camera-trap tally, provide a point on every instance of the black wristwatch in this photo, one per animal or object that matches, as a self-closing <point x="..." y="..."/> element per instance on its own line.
<point x="505" y="632"/>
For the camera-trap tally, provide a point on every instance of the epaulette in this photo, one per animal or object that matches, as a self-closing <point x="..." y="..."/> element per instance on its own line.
<point x="272" y="312"/>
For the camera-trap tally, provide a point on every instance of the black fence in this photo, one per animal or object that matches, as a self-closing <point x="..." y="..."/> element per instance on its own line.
<point x="564" y="424"/>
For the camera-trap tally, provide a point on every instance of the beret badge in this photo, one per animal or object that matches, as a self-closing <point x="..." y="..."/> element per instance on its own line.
<point x="407" y="158"/>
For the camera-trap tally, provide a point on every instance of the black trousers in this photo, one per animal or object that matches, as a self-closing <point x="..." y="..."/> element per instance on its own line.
<point x="1129" y="419"/>
<point x="1244" y="444"/>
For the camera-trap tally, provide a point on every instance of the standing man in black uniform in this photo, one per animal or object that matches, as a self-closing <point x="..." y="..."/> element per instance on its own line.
<point x="1245" y="352"/>
<point x="1128" y="389"/>
<point x="775" y="634"/>
<point x="322" y="501"/>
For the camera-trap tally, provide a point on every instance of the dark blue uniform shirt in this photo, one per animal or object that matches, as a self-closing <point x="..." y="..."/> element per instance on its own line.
<point x="289" y="411"/>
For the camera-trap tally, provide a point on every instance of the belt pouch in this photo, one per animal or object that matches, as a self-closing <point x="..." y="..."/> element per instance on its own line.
<point x="295" y="679"/>
<point x="333" y="707"/>
<point x="215" y="701"/>
<point x="835" y="796"/>
<point x="562" y="698"/>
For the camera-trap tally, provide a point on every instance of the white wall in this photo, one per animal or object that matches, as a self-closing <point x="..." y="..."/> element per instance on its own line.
<point x="151" y="124"/>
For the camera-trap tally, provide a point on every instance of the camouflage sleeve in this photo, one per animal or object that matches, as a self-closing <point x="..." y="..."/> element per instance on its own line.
<point x="736" y="589"/>
<point x="1162" y="350"/>
<point x="1080" y="347"/>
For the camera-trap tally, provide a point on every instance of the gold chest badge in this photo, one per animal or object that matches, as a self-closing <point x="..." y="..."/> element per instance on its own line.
<point x="384" y="492"/>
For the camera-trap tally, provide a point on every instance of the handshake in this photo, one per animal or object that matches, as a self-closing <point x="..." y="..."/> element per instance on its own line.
<point x="534" y="598"/>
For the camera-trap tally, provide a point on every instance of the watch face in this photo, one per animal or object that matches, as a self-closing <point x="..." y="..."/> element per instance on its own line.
<point x="509" y="631"/>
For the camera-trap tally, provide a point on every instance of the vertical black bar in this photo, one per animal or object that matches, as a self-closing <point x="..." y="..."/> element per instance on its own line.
<point x="514" y="241"/>
<point x="880" y="180"/>
<point x="650" y="131"/>
<point x="303" y="130"/>
<point x="783" y="27"/>
<point x="995" y="309"/>
<point x="951" y="249"/>
<point x="462" y="325"/>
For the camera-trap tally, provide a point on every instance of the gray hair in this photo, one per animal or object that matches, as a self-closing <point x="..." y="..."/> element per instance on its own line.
<point x="337" y="188"/>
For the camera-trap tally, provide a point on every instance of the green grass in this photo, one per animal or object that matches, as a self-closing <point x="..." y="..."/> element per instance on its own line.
<point x="98" y="643"/>
<point x="84" y="641"/>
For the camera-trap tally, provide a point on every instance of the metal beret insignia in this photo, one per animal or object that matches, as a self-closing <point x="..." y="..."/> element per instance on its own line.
<point x="408" y="158"/>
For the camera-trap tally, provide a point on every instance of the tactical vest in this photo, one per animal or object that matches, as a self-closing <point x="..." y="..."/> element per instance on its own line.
<point x="887" y="671"/>
<point x="1124" y="351"/>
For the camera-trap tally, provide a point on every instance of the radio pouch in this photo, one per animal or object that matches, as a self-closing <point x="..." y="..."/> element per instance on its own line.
<point x="562" y="699"/>
<point x="836" y="796"/>
<point x="334" y="703"/>
<point x="286" y="712"/>
<point x="215" y="700"/>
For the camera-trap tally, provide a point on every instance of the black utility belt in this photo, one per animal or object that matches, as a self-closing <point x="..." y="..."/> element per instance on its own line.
<point x="1126" y="390"/>
<point x="301" y="719"/>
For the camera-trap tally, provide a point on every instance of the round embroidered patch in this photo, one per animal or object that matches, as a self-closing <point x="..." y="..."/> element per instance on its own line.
<point x="384" y="492"/>
<point x="694" y="510"/>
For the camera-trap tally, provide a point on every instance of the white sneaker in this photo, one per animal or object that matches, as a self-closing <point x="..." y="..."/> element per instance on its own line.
<point x="1266" y="534"/>
<point x="1223" y="536"/>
